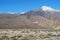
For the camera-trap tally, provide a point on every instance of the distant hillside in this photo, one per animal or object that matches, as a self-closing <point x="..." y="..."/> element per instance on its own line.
<point x="44" y="18"/>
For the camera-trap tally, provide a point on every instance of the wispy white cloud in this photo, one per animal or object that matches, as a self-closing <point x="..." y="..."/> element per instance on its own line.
<point x="11" y="12"/>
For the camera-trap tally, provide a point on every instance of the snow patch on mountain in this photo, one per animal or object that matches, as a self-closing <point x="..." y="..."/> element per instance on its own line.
<point x="47" y="8"/>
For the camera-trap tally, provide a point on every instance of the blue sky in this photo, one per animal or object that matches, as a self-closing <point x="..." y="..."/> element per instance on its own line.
<point x="26" y="5"/>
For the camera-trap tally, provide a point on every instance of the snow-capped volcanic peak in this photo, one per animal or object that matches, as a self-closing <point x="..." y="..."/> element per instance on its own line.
<point x="47" y="8"/>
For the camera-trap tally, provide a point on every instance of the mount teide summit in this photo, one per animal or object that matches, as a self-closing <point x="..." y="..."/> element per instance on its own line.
<point x="46" y="12"/>
<point x="44" y="18"/>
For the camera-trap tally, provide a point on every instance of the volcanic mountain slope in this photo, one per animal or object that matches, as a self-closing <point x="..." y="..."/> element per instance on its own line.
<point x="44" y="18"/>
<point x="45" y="12"/>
